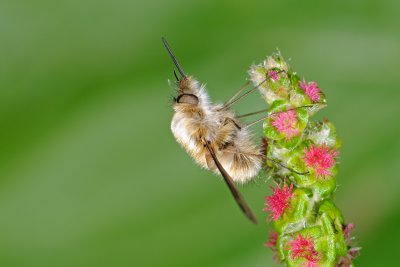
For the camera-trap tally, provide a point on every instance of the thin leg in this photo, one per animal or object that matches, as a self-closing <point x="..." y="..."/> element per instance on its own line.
<point x="286" y="167"/>
<point x="252" y="113"/>
<point x="236" y="98"/>
<point x="244" y="86"/>
<point x="263" y="118"/>
<point x="255" y="122"/>
<point x="230" y="103"/>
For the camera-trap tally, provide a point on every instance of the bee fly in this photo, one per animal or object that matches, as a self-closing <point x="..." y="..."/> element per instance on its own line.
<point x="212" y="134"/>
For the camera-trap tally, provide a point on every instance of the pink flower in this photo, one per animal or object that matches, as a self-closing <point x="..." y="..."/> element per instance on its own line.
<point x="347" y="260"/>
<point x="354" y="252"/>
<point x="285" y="122"/>
<point x="303" y="247"/>
<point x="272" y="241"/>
<point x="273" y="74"/>
<point x="279" y="201"/>
<point x="347" y="230"/>
<point x="311" y="90"/>
<point x="320" y="158"/>
<point x="273" y="238"/>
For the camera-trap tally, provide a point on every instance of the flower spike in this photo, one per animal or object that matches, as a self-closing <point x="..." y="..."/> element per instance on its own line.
<point x="309" y="230"/>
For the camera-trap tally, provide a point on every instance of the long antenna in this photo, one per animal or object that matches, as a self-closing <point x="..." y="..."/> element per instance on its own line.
<point x="173" y="57"/>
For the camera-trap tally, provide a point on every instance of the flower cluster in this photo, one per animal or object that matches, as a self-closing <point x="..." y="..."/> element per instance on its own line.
<point x="301" y="156"/>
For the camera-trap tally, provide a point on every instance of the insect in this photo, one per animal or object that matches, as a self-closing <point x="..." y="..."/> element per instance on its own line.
<point x="213" y="135"/>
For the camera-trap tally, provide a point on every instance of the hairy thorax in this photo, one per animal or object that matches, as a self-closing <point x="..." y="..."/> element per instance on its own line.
<point x="195" y="124"/>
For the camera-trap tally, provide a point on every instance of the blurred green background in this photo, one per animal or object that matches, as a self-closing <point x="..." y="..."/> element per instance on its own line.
<point x="90" y="174"/>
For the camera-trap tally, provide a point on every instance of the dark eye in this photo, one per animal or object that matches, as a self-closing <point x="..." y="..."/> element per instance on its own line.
<point x="187" y="99"/>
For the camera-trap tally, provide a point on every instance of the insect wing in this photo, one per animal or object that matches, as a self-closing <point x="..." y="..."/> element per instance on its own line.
<point x="232" y="187"/>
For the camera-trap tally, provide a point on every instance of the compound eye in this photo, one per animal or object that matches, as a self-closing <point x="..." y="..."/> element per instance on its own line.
<point x="190" y="99"/>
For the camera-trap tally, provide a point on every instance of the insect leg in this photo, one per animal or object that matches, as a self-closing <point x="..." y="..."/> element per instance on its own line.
<point x="263" y="118"/>
<point x="230" y="103"/>
<point x="233" y="100"/>
<point x="286" y="167"/>
<point x="252" y="113"/>
<point x="244" y="86"/>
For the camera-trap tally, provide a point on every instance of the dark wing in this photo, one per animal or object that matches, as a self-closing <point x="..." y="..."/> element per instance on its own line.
<point x="228" y="180"/>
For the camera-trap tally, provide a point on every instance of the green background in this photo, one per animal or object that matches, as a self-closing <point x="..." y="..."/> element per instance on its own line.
<point x="90" y="174"/>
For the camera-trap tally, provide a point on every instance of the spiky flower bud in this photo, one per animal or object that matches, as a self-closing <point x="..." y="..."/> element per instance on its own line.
<point x="320" y="159"/>
<point x="279" y="201"/>
<point x="311" y="90"/>
<point x="301" y="156"/>
<point x="303" y="248"/>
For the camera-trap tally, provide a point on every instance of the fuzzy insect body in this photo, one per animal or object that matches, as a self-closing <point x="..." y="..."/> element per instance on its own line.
<point x="213" y="136"/>
<point x="197" y="120"/>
